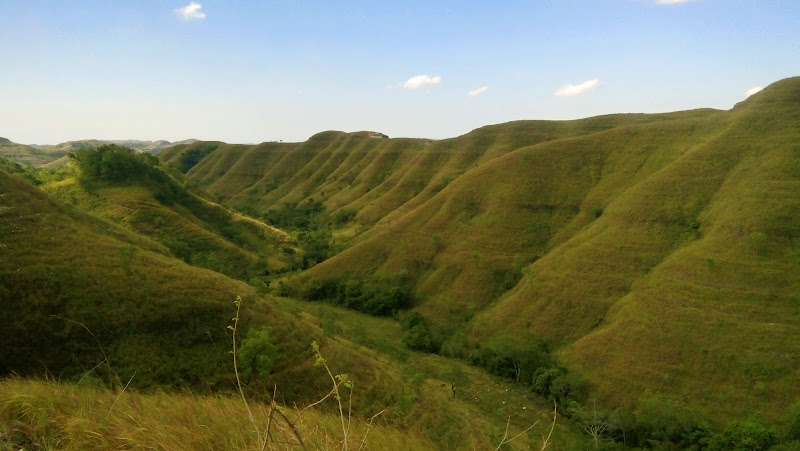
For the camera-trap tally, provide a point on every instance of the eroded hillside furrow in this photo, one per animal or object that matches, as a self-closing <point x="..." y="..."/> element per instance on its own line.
<point x="722" y="306"/>
<point x="248" y="169"/>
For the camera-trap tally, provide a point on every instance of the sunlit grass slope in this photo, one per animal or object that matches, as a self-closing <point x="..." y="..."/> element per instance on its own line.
<point x="667" y="254"/>
<point x="86" y="297"/>
<point x="193" y="229"/>
<point x="654" y="252"/>
<point x="717" y="319"/>
<point x="380" y="178"/>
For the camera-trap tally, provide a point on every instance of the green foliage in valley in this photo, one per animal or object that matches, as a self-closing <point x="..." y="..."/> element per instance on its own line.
<point x="418" y="334"/>
<point x="303" y="216"/>
<point x="375" y="295"/>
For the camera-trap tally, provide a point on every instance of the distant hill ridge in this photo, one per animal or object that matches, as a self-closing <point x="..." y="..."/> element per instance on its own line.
<point x="39" y="155"/>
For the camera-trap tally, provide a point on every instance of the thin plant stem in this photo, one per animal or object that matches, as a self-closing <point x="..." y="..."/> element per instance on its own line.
<point x="369" y="425"/>
<point x="120" y="395"/>
<point x="238" y="303"/>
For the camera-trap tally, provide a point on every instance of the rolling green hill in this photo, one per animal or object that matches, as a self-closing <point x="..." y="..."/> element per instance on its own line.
<point x="652" y="253"/>
<point x="91" y="302"/>
<point x="193" y="229"/>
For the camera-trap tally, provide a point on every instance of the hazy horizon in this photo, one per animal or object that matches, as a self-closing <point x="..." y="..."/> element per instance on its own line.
<point x="252" y="72"/>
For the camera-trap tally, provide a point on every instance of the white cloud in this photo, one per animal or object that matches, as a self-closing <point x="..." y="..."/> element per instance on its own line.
<point x="574" y="90"/>
<point x="478" y="91"/>
<point x="752" y="91"/>
<point x="420" y="81"/>
<point x="192" y="11"/>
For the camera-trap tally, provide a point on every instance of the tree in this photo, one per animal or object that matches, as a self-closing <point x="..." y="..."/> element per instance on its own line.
<point x="595" y="422"/>
<point x="112" y="163"/>
<point x="257" y="353"/>
<point x="568" y="386"/>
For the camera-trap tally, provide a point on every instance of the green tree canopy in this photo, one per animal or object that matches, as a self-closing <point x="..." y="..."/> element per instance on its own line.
<point x="257" y="353"/>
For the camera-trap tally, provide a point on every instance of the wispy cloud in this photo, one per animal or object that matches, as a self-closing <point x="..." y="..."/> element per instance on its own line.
<point x="192" y="11"/>
<point x="672" y="2"/>
<point x="574" y="90"/>
<point x="420" y="81"/>
<point x="752" y="91"/>
<point x="477" y="92"/>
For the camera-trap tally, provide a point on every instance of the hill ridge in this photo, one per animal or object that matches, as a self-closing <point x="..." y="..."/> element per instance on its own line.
<point x="594" y="210"/>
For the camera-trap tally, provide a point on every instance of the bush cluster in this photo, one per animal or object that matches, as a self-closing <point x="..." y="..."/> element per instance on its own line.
<point x="417" y="333"/>
<point x="374" y="295"/>
<point x="113" y="163"/>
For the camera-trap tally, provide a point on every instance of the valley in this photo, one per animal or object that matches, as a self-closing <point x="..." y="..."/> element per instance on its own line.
<point x="639" y="273"/>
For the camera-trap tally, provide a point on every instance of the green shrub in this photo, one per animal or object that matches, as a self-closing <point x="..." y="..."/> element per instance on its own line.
<point x="297" y="217"/>
<point x="344" y="216"/>
<point x="190" y="158"/>
<point x="375" y="295"/>
<point x="661" y="422"/>
<point x="257" y="353"/>
<point x="417" y="333"/>
<point x="517" y="361"/>
<point x="568" y="387"/>
<point x="748" y="435"/>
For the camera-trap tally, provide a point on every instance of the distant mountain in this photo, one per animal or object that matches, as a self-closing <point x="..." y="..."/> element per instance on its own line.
<point x="39" y="155"/>
<point x="153" y="147"/>
<point x="28" y="155"/>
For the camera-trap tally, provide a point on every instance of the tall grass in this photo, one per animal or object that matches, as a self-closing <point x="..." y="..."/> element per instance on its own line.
<point x="48" y="415"/>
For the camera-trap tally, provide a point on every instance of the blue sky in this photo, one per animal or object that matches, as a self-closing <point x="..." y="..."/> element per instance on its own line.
<point x="253" y="71"/>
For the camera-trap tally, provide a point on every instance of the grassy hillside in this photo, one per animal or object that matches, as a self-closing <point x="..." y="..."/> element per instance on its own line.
<point x="193" y="229"/>
<point x="379" y="178"/>
<point x="82" y="290"/>
<point x="652" y="253"/>
<point x="99" y="307"/>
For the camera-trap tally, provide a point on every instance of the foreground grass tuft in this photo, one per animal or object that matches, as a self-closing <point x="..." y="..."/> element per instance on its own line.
<point x="47" y="415"/>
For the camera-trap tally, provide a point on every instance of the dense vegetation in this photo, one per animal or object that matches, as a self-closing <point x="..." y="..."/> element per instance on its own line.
<point x="378" y="295"/>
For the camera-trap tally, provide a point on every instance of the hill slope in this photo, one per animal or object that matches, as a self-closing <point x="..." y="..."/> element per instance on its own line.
<point x="193" y="229"/>
<point x="654" y="252"/>
<point x="91" y="302"/>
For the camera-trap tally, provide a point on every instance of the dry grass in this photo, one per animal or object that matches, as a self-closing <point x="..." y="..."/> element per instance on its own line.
<point x="47" y="415"/>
